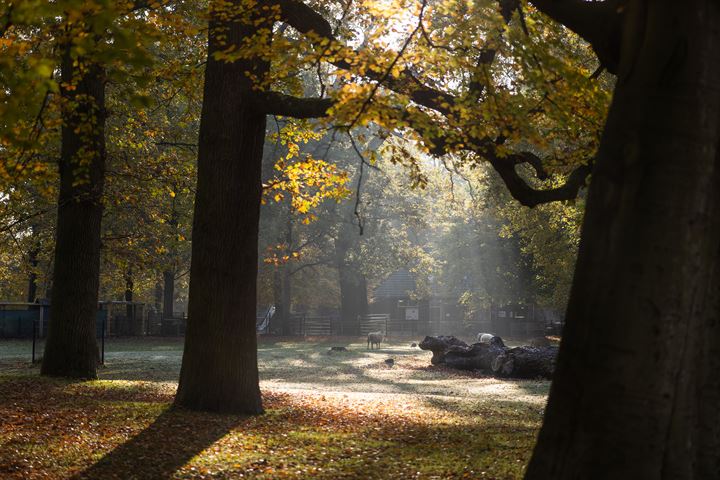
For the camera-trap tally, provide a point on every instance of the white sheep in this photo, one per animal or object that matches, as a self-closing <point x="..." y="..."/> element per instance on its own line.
<point x="485" y="337"/>
<point x="490" y="339"/>
<point x="374" y="339"/>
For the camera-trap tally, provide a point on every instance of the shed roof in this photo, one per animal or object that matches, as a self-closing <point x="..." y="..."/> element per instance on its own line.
<point x="399" y="284"/>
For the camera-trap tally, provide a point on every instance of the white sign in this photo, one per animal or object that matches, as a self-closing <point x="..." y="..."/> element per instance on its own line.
<point x="412" y="313"/>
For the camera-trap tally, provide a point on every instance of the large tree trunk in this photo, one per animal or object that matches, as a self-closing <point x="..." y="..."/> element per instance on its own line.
<point x="169" y="273"/>
<point x="32" y="264"/>
<point x="353" y="286"/>
<point x="287" y="300"/>
<point x="282" y="286"/>
<point x="636" y="393"/>
<point x="134" y="324"/>
<point x="282" y="294"/>
<point x="353" y="298"/>
<point x="71" y="348"/>
<point x="168" y="295"/>
<point x="219" y="368"/>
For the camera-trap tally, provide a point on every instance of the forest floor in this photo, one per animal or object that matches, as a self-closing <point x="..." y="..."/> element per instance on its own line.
<point x="328" y="416"/>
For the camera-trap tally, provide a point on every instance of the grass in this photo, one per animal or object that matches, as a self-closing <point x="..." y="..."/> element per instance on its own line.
<point x="328" y="416"/>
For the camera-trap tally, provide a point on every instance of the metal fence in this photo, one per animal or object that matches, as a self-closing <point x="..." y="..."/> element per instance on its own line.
<point x="159" y="326"/>
<point x="28" y="320"/>
<point x="374" y="322"/>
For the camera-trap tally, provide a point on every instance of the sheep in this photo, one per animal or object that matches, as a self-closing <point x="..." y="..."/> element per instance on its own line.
<point x="484" y="337"/>
<point x="374" y="339"/>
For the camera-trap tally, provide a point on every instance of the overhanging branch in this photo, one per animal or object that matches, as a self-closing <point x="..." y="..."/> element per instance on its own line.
<point x="589" y="23"/>
<point x="531" y="197"/>
<point x="305" y="20"/>
<point x="273" y="103"/>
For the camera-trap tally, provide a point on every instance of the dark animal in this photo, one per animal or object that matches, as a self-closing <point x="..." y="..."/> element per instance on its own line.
<point x="374" y="339"/>
<point x="336" y="349"/>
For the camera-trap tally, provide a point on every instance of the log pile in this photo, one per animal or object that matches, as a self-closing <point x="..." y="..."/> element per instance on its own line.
<point x="492" y="358"/>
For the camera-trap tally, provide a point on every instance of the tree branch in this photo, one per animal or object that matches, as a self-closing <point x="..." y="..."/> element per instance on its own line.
<point x="589" y="22"/>
<point x="273" y="103"/>
<point x="305" y="20"/>
<point x="531" y="197"/>
<point x="307" y="265"/>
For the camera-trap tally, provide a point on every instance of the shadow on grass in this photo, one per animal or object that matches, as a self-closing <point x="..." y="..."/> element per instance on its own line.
<point x="173" y="439"/>
<point x="297" y="433"/>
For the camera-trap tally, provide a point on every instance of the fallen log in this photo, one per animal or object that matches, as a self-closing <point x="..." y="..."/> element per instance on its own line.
<point x="478" y="356"/>
<point x="439" y="346"/>
<point x="493" y="358"/>
<point x="526" y="362"/>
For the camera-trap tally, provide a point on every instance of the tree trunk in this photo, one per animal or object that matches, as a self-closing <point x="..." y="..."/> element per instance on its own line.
<point x="168" y="294"/>
<point x="282" y="295"/>
<point x="33" y="263"/>
<point x="134" y="325"/>
<point x="353" y="286"/>
<point x="158" y="297"/>
<point x="282" y="287"/>
<point x="636" y="392"/>
<point x="129" y="287"/>
<point x="219" y="368"/>
<point x="353" y="299"/>
<point x="286" y="300"/>
<point x="71" y="348"/>
<point x="169" y="273"/>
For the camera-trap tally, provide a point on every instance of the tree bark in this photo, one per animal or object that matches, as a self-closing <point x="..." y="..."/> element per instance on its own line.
<point x="169" y="273"/>
<point x="71" y="349"/>
<point x="286" y="300"/>
<point x="353" y="298"/>
<point x="636" y="392"/>
<point x="219" y="367"/>
<point x="282" y="286"/>
<point x="353" y="286"/>
<point x="134" y="321"/>
<point x="33" y="263"/>
<point x="168" y="295"/>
